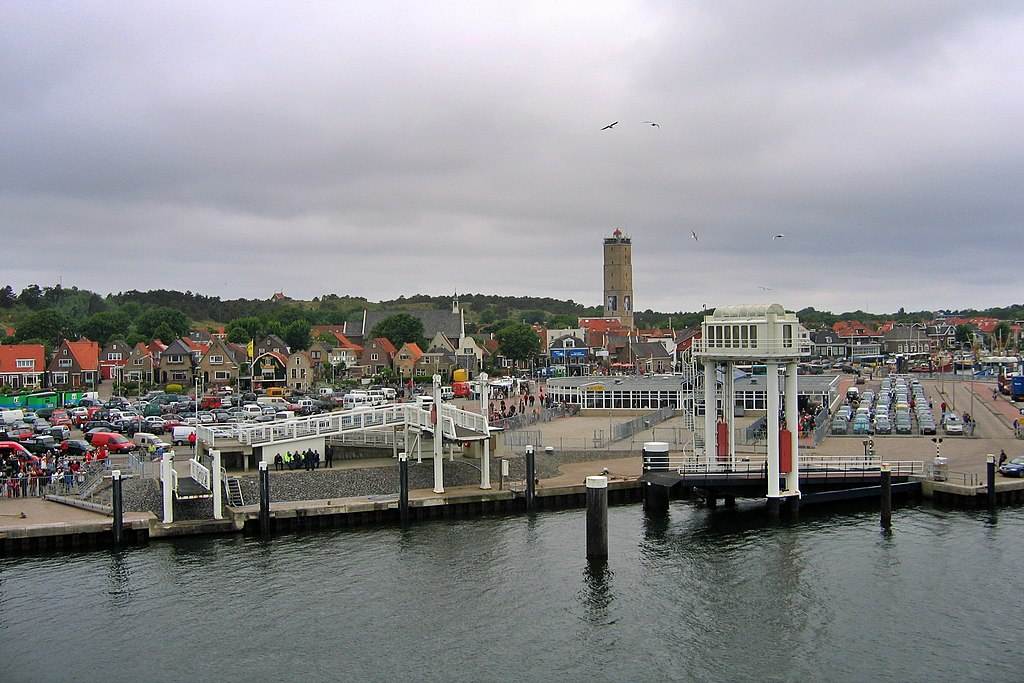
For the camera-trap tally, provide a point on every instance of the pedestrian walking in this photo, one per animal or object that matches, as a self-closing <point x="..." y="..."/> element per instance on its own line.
<point x="330" y="456"/>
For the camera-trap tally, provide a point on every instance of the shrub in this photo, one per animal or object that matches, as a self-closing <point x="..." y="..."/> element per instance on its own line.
<point x="173" y="388"/>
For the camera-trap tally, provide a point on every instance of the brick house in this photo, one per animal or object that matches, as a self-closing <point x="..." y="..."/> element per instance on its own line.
<point x="140" y="365"/>
<point x="436" y="363"/>
<point x="113" y="359"/>
<point x="270" y="369"/>
<point x="301" y="371"/>
<point x="177" y="364"/>
<point x="219" y="366"/>
<point x="378" y="355"/>
<point x="405" y="359"/>
<point x="22" y="365"/>
<point x="75" y="364"/>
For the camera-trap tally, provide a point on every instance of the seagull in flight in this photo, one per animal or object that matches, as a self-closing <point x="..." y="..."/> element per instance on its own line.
<point x="610" y="126"/>
<point x="653" y="123"/>
<point x="778" y="236"/>
<point x="765" y="289"/>
<point x="693" y="234"/>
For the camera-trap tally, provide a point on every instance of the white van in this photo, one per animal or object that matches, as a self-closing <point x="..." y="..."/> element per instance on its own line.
<point x="389" y="393"/>
<point x="284" y="415"/>
<point x="251" y="411"/>
<point x="356" y="399"/>
<point x="447" y="393"/>
<point x="12" y="416"/>
<point x="144" y="439"/>
<point x="376" y="398"/>
<point x="325" y="391"/>
<point x="180" y="434"/>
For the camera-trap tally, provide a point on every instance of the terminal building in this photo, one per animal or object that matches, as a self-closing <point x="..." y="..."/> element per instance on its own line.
<point x="650" y="392"/>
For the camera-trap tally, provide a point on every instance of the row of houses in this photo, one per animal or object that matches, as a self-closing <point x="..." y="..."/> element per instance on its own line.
<point x="856" y="340"/>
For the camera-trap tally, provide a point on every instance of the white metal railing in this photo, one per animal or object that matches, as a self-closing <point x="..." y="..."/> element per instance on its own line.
<point x="200" y="473"/>
<point x="808" y="464"/>
<point x="349" y="421"/>
<point x="799" y="346"/>
<point x="174" y="478"/>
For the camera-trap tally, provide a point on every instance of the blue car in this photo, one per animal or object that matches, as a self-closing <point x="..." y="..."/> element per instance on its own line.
<point x="1012" y="468"/>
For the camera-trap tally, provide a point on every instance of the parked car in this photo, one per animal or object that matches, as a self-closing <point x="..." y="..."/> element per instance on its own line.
<point x="1012" y="468"/>
<point x="98" y="424"/>
<point x="862" y="425"/>
<point x="883" y="426"/>
<point x="9" y="448"/>
<point x="953" y="424"/>
<point x="180" y="434"/>
<point x="75" y="447"/>
<point x="839" y="426"/>
<point x="115" y="443"/>
<point x="60" y="432"/>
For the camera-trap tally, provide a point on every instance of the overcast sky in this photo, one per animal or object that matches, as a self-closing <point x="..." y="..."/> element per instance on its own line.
<point x="379" y="149"/>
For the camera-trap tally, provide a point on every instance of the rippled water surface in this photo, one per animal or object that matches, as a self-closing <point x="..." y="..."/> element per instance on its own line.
<point x="693" y="597"/>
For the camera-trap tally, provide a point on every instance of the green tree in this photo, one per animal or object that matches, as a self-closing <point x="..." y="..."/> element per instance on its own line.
<point x="562" y="322"/>
<point x="154" y="318"/>
<point x="296" y="335"/>
<point x="7" y="297"/>
<point x="31" y="296"/>
<point x="242" y="330"/>
<point x="534" y="316"/>
<point x="518" y="341"/>
<point x="164" y="333"/>
<point x="399" y="329"/>
<point x="46" y="324"/>
<point x="104" y="326"/>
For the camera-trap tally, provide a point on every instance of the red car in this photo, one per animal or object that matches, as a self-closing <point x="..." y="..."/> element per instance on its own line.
<point x="115" y="443"/>
<point x="59" y="418"/>
<point x="19" y="433"/>
<point x="15" y="448"/>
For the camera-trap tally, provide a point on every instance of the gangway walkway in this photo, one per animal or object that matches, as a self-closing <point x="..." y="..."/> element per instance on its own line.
<point x="195" y="486"/>
<point x="456" y="425"/>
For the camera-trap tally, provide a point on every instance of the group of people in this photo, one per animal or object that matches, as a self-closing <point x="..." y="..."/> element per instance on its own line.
<point x="50" y="473"/>
<point x="308" y="460"/>
<point x="517" y="404"/>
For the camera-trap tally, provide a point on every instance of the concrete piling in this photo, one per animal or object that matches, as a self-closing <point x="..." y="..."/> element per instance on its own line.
<point x="655" y="459"/>
<point x="597" y="518"/>
<point x="886" y="509"/>
<point x="264" y="499"/>
<point x="531" y="477"/>
<point x="990" y="479"/>
<point x="403" y="488"/>
<point x="118" y="526"/>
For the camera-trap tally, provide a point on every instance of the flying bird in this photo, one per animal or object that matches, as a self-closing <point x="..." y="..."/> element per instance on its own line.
<point x="610" y="126"/>
<point x="694" y="236"/>
<point x="778" y="237"/>
<point x="653" y="123"/>
<point x="765" y="289"/>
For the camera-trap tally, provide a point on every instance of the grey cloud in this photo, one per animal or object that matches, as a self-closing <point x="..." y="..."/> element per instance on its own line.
<point x="402" y="148"/>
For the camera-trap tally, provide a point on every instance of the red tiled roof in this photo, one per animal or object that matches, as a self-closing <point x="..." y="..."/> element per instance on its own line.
<point x="414" y="350"/>
<point x="11" y="353"/>
<point x="602" y="325"/>
<point x="386" y="344"/>
<point x="86" y="353"/>
<point x="346" y="343"/>
<point x="853" y="328"/>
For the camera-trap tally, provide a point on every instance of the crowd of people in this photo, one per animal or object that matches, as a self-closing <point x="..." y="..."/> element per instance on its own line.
<point x="308" y="460"/>
<point x="507" y="404"/>
<point x="48" y="473"/>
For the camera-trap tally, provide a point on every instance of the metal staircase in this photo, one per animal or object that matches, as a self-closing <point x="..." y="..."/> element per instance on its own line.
<point x="233" y="491"/>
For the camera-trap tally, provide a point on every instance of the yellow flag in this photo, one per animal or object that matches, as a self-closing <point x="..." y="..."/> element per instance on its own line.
<point x="249" y="348"/>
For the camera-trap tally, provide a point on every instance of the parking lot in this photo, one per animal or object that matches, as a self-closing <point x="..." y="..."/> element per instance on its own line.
<point x="898" y="405"/>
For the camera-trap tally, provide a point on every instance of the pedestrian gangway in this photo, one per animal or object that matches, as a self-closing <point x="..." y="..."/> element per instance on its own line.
<point x="456" y="425"/>
<point x="196" y="485"/>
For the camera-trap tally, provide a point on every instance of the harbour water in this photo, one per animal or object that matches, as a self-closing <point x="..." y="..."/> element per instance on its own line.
<point x="696" y="596"/>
